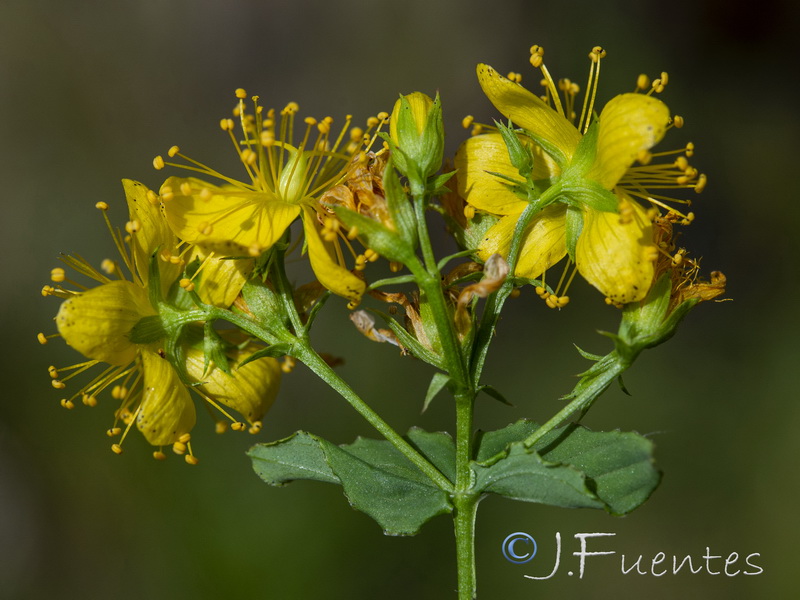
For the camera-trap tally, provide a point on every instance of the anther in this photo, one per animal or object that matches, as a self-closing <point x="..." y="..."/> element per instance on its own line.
<point x="52" y="371"/>
<point x="689" y="149"/>
<point x="185" y="437"/>
<point x="42" y="338"/>
<point x="371" y="255"/>
<point x="191" y="459"/>
<point x="68" y="404"/>
<point x="187" y="284"/>
<point x="133" y="226"/>
<point x="515" y="293"/>
<point x="59" y="385"/>
<point x="701" y="183"/>
<point x="116" y="448"/>
<point x="515" y="77"/>
<point x="288" y="364"/>
<point x="677" y="121"/>
<point x="114" y="431"/>
<point x="395" y="267"/>
<point x="642" y="82"/>
<point x="152" y="197"/>
<point x="158" y="163"/>
<point x="186" y="188"/>
<point x="562" y="301"/>
<point x="179" y="448"/>
<point x="167" y="193"/>
<point x="221" y="427"/>
<point x="238" y="426"/>
<point x="541" y="291"/>
<point x="88" y="400"/>
<point x="205" y="228"/>
<point x="644" y="157"/>
<point x="353" y="233"/>
<point x="101" y="205"/>
<point x="119" y="392"/>
<point x="206" y="194"/>
<point x="467" y="121"/>
<point x="57" y="275"/>
<point x="226" y="124"/>
<point x="255" y="427"/>
<point x="469" y="212"/>
<point x="240" y="93"/>
<point x="159" y="455"/>
<point x="383" y="116"/>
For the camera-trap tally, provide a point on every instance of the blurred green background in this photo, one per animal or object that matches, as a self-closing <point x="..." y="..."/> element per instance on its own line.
<point x="91" y="90"/>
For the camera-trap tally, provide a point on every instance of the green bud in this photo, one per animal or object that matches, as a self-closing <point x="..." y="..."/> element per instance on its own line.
<point x="416" y="135"/>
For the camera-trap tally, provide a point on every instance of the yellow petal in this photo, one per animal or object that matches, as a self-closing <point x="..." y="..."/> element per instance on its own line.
<point x="615" y="257"/>
<point x="167" y="411"/>
<point x="97" y="322"/>
<point x="322" y="255"/>
<point x="528" y="111"/>
<point x="482" y="155"/>
<point x="221" y="279"/>
<point x="628" y="124"/>
<point x="249" y="390"/>
<point x="543" y="245"/>
<point x="226" y="219"/>
<point x="153" y="233"/>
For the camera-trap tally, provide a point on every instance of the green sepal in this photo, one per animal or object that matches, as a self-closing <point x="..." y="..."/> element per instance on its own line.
<point x="587" y="355"/>
<point x="586" y="151"/>
<point x="271" y="351"/>
<point x="586" y="193"/>
<point x="400" y="209"/>
<point x="437" y="184"/>
<point x="154" y="280"/>
<point x="471" y="236"/>
<point x="214" y="349"/>
<point x="382" y="240"/>
<point x="521" y="156"/>
<point x="149" y="329"/>
<point x="376" y="478"/>
<point x="410" y="343"/>
<point x="438" y="382"/>
<point x="571" y="466"/>
<point x="265" y="305"/>
<point x="574" y="228"/>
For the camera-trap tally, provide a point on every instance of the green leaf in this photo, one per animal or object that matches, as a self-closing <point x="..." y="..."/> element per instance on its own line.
<point x="379" y="481"/>
<point x="273" y="351"/>
<point x="214" y="349"/>
<point x="265" y="305"/>
<point x="297" y="457"/>
<point x="493" y="392"/>
<point x="438" y="381"/>
<point x="523" y="475"/>
<point x="381" y="239"/>
<point x="568" y="467"/>
<point x="574" y="228"/>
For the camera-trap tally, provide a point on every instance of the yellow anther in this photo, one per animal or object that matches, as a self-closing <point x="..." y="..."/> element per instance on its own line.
<point x="288" y="364"/>
<point x="324" y="128"/>
<point x="477" y="129"/>
<point x="515" y="293"/>
<point x="371" y="255"/>
<point x="701" y="183"/>
<point x="597" y="53"/>
<point x="206" y="194"/>
<point x="677" y="259"/>
<point x="114" y="431"/>
<point x="249" y="157"/>
<point x="356" y="134"/>
<point x="118" y="392"/>
<point x="57" y="275"/>
<point x="158" y="163"/>
<point x="191" y="459"/>
<point x="52" y="371"/>
<point x="688" y="219"/>
<point x="690" y="172"/>
<point x="562" y="301"/>
<point x="88" y="400"/>
<point x="642" y="82"/>
<point x="353" y="304"/>
<point x="133" y="226"/>
<point x="664" y="78"/>
<point x="179" y="448"/>
<point x="255" y="427"/>
<point x="541" y="291"/>
<point x="292" y="107"/>
<point x="644" y="157"/>
<point x="152" y="197"/>
<point x="184" y="438"/>
<point x="395" y="267"/>
<point x="221" y="427"/>
<point x="167" y="193"/>
<point x="310" y="121"/>
<point x="383" y="116"/>
<point x="241" y="94"/>
<point x="205" y="228"/>
<point x="59" y="385"/>
<point x="186" y="188"/>
<point x="226" y="124"/>
<point x="372" y="122"/>
<point x="689" y="149"/>
<point x="255" y="249"/>
<point x="42" y="338"/>
<point x="682" y="180"/>
<point x="175" y="260"/>
<point x="681" y="163"/>
<point x="677" y="121"/>
<point x="515" y="77"/>
<point x="187" y="284"/>
<point x="467" y="121"/>
<point x="159" y="455"/>
<point x="353" y="233"/>
<point x="361" y="262"/>
<point x="101" y="205"/>
<point x="469" y="212"/>
<point x="650" y="254"/>
<point x="537" y="54"/>
<point x="551" y="301"/>
<point x="116" y="448"/>
<point x="68" y="404"/>
<point x="173" y="151"/>
<point x="48" y="290"/>
<point x="238" y="426"/>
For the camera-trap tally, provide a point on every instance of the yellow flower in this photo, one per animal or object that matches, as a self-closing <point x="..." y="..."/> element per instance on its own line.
<point x="589" y="172"/>
<point x="285" y="181"/>
<point x="99" y="323"/>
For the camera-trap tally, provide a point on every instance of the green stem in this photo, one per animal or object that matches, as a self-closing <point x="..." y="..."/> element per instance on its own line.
<point x="313" y="361"/>
<point x="464" y="500"/>
<point x="607" y="369"/>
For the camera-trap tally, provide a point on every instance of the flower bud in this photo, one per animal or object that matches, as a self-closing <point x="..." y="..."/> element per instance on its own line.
<point x="417" y="136"/>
